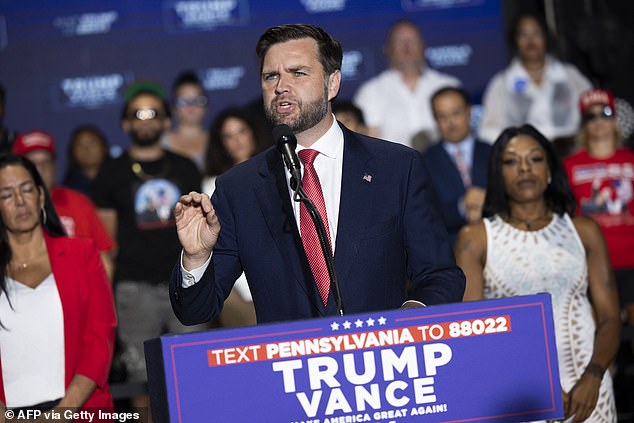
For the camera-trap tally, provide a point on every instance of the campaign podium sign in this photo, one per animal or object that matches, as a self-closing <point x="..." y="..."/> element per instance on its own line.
<point x="493" y="360"/>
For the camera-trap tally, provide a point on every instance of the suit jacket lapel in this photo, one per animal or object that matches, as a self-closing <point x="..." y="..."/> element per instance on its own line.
<point x="480" y="164"/>
<point x="447" y="166"/>
<point x="273" y="197"/>
<point x="357" y="193"/>
<point x="64" y="279"/>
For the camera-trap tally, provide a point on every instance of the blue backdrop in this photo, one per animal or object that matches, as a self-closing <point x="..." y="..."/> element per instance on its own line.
<point x="67" y="62"/>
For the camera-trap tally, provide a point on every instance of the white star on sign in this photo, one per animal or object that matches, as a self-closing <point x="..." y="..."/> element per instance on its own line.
<point x="370" y="322"/>
<point x="334" y="326"/>
<point x="358" y="323"/>
<point x="382" y="320"/>
<point x="347" y="324"/>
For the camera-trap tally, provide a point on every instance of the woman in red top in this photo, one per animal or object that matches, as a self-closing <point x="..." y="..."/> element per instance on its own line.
<point x="601" y="176"/>
<point x="57" y="318"/>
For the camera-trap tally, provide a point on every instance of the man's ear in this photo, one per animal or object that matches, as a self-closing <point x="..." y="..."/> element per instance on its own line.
<point x="334" y="83"/>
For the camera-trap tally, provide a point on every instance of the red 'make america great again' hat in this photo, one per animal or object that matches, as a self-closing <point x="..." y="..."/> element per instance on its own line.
<point x="34" y="140"/>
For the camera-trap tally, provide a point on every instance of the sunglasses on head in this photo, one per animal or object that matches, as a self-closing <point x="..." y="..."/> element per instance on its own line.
<point x="605" y="113"/>
<point x="200" y="101"/>
<point x="145" y="114"/>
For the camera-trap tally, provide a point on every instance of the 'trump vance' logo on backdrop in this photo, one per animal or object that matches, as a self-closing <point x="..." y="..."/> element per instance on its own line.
<point x="321" y="6"/>
<point x="214" y="79"/>
<point x="357" y="64"/>
<point x="451" y="55"/>
<point x="91" y="91"/>
<point x="86" y="24"/>
<point x="417" y="5"/>
<point x="192" y="15"/>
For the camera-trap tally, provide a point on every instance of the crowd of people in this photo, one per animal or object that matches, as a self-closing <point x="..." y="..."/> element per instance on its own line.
<point x="538" y="198"/>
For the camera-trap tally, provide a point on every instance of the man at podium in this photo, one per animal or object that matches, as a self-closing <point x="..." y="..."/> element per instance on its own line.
<point x="390" y="247"/>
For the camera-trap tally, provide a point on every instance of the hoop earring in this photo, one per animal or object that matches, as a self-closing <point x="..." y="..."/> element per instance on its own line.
<point x="43" y="216"/>
<point x="550" y="179"/>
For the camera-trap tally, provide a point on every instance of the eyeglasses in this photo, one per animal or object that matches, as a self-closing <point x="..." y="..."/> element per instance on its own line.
<point x="145" y="114"/>
<point x="200" y="101"/>
<point x="605" y="113"/>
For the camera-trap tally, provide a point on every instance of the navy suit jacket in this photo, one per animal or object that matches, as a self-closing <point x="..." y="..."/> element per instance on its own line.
<point x="447" y="182"/>
<point x="388" y="232"/>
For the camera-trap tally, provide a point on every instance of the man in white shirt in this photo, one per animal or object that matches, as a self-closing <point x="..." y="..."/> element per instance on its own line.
<point x="395" y="103"/>
<point x="373" y="197"/>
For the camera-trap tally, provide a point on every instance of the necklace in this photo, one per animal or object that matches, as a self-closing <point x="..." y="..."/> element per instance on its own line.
<point x="21" y="266"/>
<point x="137" y="169"/>
<point x="528" y="223"/>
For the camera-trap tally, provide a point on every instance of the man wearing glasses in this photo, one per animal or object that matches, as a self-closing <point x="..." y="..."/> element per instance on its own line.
<point x="135" y="194"/>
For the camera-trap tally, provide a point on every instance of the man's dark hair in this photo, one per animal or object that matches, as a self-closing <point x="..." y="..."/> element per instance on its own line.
<point x="454" y="90"/>
<point x="330" y="52"/>
<point x="558" y="196"/>
<point x="3" y="93"/>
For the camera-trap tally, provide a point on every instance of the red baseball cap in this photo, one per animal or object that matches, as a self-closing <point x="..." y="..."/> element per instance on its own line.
<point x="596" y="96"/>
<point x="34" y="140"/>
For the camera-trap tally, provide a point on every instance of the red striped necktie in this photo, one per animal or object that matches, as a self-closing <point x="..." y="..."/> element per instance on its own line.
<point x="462" y="167"/>
<point x="310" y="239"/>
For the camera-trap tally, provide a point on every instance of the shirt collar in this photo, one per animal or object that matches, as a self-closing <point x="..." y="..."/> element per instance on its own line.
<point x="330" y="143"/>
<point x="465" y="145"/>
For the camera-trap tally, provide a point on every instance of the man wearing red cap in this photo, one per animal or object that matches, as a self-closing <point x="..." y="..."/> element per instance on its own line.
<point x="76" y="212"/>
<point x="601" y="176"/>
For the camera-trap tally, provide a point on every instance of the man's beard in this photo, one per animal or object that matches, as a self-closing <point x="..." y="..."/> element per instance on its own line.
<point x="310" y="114"/>
<point x="147" y="138"/>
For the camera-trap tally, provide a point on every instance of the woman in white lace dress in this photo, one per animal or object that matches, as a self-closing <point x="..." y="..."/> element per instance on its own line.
<point x="529" y="243"/>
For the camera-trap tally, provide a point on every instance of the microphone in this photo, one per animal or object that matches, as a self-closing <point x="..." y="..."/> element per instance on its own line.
<point x="286" y="144"/>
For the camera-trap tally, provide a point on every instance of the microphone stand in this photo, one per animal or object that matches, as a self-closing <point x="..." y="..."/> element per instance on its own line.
<point x="300" y="196"/>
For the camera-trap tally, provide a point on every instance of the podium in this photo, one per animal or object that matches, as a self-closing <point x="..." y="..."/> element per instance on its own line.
<point x="493" y="360"/>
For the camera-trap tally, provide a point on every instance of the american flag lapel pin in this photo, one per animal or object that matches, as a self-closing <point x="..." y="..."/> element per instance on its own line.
<point x="367" y="177"/>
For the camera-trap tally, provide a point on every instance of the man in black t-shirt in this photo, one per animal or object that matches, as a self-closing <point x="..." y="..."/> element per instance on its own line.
<point x="135" y="194"/>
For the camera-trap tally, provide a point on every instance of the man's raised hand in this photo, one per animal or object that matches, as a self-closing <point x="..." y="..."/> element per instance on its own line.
<point x="197" y="226"/>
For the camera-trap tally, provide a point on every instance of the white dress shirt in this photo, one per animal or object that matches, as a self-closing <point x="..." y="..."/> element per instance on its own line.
<point x="400" y="113"/>
<point x="329" y="167"/>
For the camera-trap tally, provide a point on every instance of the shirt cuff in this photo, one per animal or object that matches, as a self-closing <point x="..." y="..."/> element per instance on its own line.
<point x="191" y="277"/>
<point x="414" y="302"/>
<point x="462" y="209"/>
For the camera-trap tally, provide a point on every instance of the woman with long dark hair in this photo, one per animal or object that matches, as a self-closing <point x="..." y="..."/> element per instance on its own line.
<point x="234" y="137"/>
<point x="531" y="242"/>
<point x="54" y="297"/>
<point x="88" y="150"/>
